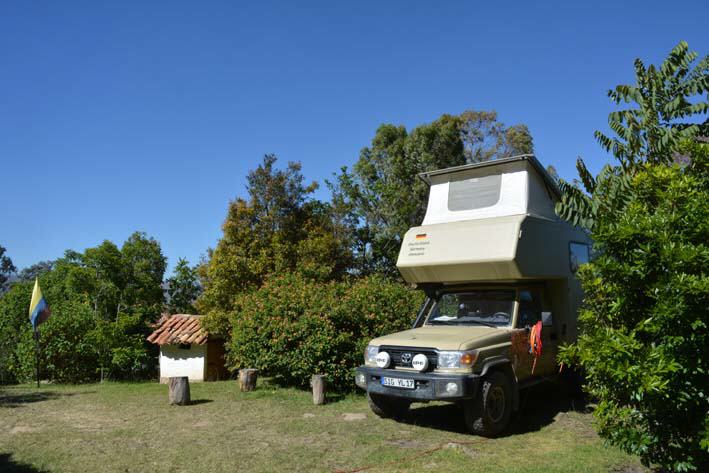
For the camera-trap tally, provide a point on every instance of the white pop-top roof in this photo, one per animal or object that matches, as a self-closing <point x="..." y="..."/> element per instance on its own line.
<point x="512" y="186"/>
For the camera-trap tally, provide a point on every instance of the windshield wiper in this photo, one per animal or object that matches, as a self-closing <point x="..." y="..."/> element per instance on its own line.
<point x="487" y="324"/>
<point x="443" y="322"/>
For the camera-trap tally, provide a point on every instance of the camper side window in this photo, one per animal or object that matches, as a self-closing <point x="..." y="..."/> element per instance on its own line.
<point x="476" y="193"/>
<point x="578" y="255"/>
<point x="530" y="308"/>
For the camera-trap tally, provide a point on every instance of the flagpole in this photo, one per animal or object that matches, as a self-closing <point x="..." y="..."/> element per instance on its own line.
<point x="36" y="337"/>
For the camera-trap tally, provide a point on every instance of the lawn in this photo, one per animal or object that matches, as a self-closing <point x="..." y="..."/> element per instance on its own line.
<point x="129" y="427"/>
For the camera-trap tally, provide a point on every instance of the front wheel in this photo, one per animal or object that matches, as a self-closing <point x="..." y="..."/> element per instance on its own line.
<point x="388" y="407"/>
<point x="489" y="413"/>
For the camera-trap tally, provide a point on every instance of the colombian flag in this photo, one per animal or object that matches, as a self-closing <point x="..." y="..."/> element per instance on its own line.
<point x="39" y="310"/>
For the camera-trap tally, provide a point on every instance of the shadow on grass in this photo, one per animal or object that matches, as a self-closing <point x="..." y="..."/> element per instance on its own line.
<point x="17" y="400"/>
<point x="538" y="407"/>
<point x="8" y="465"/>
<point x="195" y="402"/>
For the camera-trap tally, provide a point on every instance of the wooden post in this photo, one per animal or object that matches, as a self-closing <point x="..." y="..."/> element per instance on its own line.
<point x="247" y="379"/>
<point x="317" y="382"/>
<point x="179" y="390"/>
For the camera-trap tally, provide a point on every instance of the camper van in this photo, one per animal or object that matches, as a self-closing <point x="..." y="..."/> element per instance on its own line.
<point x="498" y="270"/>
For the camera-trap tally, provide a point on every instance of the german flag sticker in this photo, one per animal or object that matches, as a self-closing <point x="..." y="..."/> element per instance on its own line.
<point x="421" y="236"/>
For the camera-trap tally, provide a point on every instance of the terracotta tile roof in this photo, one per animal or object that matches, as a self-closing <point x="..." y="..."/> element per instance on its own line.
<point x="177" y="329"/>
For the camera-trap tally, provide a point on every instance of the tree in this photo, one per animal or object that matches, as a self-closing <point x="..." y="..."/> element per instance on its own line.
<point x="6" y="269"/>
<point x="662" y="119"/>
<point x="382" y="197"/>
<point x="668" y="111"/>
<point x="183" y="288"/>
<point x="102" y="302"/>
<point x="278" y="228"/>
<point x="31" y="272"/>
<point x="484" y="138"/>
<point x="643" y="329"/>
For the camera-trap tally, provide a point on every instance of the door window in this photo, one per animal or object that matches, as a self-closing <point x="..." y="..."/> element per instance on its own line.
<point x="530" y="307"/>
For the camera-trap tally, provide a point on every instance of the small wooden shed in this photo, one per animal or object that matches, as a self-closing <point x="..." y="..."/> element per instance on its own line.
<point x="186" y="349"/>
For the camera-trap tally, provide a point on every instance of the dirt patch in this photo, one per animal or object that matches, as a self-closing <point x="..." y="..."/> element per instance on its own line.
<point x="403" y="443"/>
<point x="629" y="469"/>
<point x="462" y="448"/>
<point x="349" y="417"/>
<point x="23" y="429"/>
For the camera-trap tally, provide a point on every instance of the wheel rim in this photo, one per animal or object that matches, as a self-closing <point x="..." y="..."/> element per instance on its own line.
<point x="496" y="404"/>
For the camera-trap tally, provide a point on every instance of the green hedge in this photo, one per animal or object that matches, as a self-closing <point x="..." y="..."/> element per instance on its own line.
<point x="292" y="327"/>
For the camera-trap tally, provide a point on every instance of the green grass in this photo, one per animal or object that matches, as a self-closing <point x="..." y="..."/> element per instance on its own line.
<point x="131" y="428"/>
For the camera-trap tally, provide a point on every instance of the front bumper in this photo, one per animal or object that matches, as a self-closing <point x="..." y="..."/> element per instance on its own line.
<point x="428" y="386"/>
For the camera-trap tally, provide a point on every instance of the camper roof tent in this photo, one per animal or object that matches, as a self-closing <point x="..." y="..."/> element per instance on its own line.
<point x="491" y="221"/>
<point x="511" y="186"/>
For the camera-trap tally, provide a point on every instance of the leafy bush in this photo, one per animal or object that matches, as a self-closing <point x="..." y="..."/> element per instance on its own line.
<point x="293" y="327"/>
<point x="101" y="304"/>
<point x="644" y="344"/>
<point x="66" y="352"/>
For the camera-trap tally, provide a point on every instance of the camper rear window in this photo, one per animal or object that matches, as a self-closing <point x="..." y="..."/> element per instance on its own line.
<point x="476" y="193"/>
<point x="492" y="307"/>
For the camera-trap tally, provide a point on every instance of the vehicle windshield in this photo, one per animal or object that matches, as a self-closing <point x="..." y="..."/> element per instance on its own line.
<point x="490" y="307"/>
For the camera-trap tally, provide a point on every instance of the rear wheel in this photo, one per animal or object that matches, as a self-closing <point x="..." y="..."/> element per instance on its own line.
<point x="489" y="413"/>
<point x="388" y="407"/>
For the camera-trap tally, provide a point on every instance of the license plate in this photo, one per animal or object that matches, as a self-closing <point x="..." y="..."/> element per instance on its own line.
<point x="398" y="383"/>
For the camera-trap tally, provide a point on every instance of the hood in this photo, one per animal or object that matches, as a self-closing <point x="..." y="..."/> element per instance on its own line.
<point x="444" y="337"/>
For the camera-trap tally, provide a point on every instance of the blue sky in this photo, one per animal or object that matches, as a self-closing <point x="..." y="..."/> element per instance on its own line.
<point x="148" y="115"/>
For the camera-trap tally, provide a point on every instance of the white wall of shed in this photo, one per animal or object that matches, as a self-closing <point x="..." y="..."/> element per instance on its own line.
<point x="175" y="361"/>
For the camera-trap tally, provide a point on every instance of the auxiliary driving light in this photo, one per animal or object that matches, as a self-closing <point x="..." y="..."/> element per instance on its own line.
<point x="420" y="362"/>
<point x="383" y="359"/>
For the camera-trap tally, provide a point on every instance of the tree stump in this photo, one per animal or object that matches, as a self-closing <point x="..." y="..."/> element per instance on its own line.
<point x="179" y="393"/>
<point x="317" y="382"/>
<point x="247" y="379"/>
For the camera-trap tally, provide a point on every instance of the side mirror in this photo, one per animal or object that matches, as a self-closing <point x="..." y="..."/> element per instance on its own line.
<point x="547" y="319"/>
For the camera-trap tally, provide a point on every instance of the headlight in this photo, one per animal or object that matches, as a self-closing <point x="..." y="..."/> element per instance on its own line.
<point x="457" y="359"/>
<point x="370" y="355"/>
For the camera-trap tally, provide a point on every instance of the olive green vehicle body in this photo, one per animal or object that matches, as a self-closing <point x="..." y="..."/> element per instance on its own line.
<point x="517" y="244"/>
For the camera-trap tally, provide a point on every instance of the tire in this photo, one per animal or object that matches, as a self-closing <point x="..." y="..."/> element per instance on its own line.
<point x="489" y="413"/>
<point x="388" y="407"/>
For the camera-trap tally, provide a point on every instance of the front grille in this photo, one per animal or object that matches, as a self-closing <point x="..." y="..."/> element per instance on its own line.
<point x="397" y="353"/>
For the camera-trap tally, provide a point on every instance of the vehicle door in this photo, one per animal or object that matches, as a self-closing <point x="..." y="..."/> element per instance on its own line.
<point x="533" y="307"/>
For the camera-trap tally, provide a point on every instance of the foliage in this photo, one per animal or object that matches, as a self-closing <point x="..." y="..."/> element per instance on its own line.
<point x="381" y="197"/>
<point x="66" y="352"/>
<point x="484" y="138"/>
<point x="294" y="327"/>
<point x="663" y="117"/>
<point x="102" y="301"/>
<point x="34" y="271"/>
<point x="183" y="289"/>
<point x="644" y="344"/>
<point x="278" y="229"/>
<point x="643" y="335"/>
<point x="6" y="268"/>
<point x="14" y="321"/>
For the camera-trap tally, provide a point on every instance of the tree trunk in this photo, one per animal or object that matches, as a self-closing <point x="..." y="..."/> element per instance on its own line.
<point x="247" y="379"/>
<point x="317" y="382"/>
<point x="179" y="390"/>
